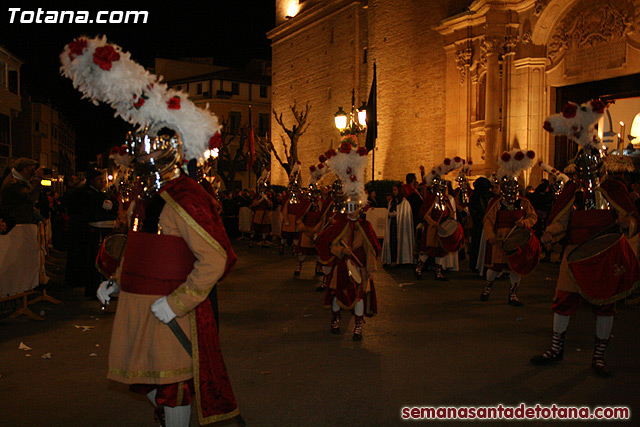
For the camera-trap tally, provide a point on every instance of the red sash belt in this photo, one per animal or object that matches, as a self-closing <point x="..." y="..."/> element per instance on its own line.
<point x="583" y="225"/>
<point x="507" y="219"/>
<point x="155" y="264"/>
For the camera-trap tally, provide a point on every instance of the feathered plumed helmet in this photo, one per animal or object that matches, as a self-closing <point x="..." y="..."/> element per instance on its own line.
<point x="349" y="163"/>
<point x="512" y="163"/>
<point x="578" y="123"/>
<point x="170" y="126"/>
<point x="263" y="181"/>
<point x="560" y="178"/>
<point x="435" y="178"/>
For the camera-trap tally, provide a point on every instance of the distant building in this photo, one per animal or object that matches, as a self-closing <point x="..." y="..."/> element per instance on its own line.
<point x="45" y="135"/>
<point x="9" y="101"/>
<point x="455" y="77"/>
<point x="229" y="92"/>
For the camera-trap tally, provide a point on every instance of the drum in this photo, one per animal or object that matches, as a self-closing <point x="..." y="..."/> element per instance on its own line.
<point x="451" y="235"/>
<point x="110" y="254"/>
<point x="523" y="250"/>
<point x="354" y="271"/>
<point x="605" y="268"/>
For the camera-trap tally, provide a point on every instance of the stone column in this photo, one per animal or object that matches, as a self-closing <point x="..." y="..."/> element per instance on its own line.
<point x="491" y="47"/>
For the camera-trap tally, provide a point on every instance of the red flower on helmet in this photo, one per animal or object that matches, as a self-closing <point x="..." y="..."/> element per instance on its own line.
<point x="330" y="153"/>
<point x="519" y="155"/>
<point x="76" y="47"/>
<point x="531" y="154"/>
<point x="349" y="170"/>
<point x="322" y="158"/>
<point x="123" y="150"/>
<point x="139" y="103"/>
<point x="174" y="103"/>
<point x="353" y="178"/>
<point x="362" y="151"/>
<point x="215" y="141"/>
<point x="312" y="168"/>
<point x="447" y="161"/>
<point x="505" y="157"/>
<point x="320" y="165"/>
<point x="569" y="111"/>
<point x="598" y="106"/>
<point x="547" y="126"/>
<point x="457" y="159"/>
<point x="114" y="150"/>
<point x="104" y="56"/>
<point x="345" y="148"/>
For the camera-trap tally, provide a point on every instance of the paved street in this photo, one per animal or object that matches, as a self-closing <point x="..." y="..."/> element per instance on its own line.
<point x="432" y="343"/>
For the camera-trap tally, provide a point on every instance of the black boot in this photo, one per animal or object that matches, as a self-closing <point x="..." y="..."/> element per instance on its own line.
<point x="555" y="354"/>
<point x="318" y="268"/>
<point x="439" y="274"/>
<point x="335" y="322"/>
<point x="513" y="297"/>
<point x="484" y="296"/>
<point x="419" y="268"/>
<point x="322" y="286"/>
<point x="357" y="330"/>
<point x="598" y="364"/>
<point x="299" y="269"/>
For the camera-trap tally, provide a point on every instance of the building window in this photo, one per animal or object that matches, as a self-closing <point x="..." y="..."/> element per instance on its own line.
<point x="199" y="89"/>
<point x="235" y="88"/>
<point x="263" y="91"/>
<point x="263" y="124"/>
<point x="234" y="122"/>
<point x="364" y="55"/>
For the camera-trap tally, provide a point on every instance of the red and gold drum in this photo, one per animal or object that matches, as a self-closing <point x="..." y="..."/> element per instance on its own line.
<point x="110" y="254"/>
<point x="523" y="250"/>
<point x="605" y="268"/>
<point x="450" y="235"/>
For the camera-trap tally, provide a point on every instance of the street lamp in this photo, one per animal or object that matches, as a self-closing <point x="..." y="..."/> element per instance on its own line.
<point x="353" y="123"/>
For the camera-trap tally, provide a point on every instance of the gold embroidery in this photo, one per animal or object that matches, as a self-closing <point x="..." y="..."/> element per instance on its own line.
<point x="194" y="292"/>
<point x="180" y="393"/>
<point x="192" y="222"/>
<point x="178" y="302"/>
<point x="149" y="374"/>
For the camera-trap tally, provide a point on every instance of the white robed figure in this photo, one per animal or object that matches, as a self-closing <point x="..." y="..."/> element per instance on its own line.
<point x="397" y="247"/>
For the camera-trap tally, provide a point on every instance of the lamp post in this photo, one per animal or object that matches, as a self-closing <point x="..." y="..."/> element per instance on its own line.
<point x="355" y="122"/>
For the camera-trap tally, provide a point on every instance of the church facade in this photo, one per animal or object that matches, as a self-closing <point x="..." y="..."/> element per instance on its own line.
<point x="454" y="77"/>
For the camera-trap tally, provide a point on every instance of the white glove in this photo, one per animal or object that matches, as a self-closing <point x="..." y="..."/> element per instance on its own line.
<point x="546" y="238"/>
<point x="106" y="289"/>
<point x="107" y="205"/>
<point x="162" y="311"/>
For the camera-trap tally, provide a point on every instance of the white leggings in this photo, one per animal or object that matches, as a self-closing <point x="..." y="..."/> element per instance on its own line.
<point x="513" y="277"/>
<point x="358" y="309"/>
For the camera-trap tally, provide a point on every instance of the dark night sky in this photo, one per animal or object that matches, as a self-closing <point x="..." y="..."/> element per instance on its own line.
<point x="232" y="32"/>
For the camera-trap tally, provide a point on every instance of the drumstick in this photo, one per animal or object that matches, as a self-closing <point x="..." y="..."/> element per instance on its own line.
<point x="353" y="256"/>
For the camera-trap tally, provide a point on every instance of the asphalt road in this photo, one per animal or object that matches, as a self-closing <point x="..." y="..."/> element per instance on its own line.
<point x="431" y="344"/>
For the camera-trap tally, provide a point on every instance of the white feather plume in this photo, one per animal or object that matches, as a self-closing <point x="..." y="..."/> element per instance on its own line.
<point x="577" y="122"/>
<point x="136" y="95"/>
<point x="515" y="161"/>
<point x="553" y="171"/>
<point x="349" y="168"/>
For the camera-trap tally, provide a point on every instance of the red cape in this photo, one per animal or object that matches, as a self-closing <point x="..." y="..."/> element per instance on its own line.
<point x="327" y="237"/>
<point x="215" y="398"/>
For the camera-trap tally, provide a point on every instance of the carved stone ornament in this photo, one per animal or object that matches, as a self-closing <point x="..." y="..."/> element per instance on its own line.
<point x="489" y="44"/>
<point x="539" y="7"/>
<point x="464" y="53"/>
<point x="526" y="38"/>
<point x="589" y="24"/>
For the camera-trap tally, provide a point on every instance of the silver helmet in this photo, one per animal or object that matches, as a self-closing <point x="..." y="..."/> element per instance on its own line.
<point x="157" y="157"/>
<point x="509" y="189"/>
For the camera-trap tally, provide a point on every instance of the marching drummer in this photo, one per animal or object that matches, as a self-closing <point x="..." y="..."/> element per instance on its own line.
<point x="589" y="211"/>
<point x="436" y="211"/>
<point x="350" y="245"/>
<point x="505" y="213"/>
